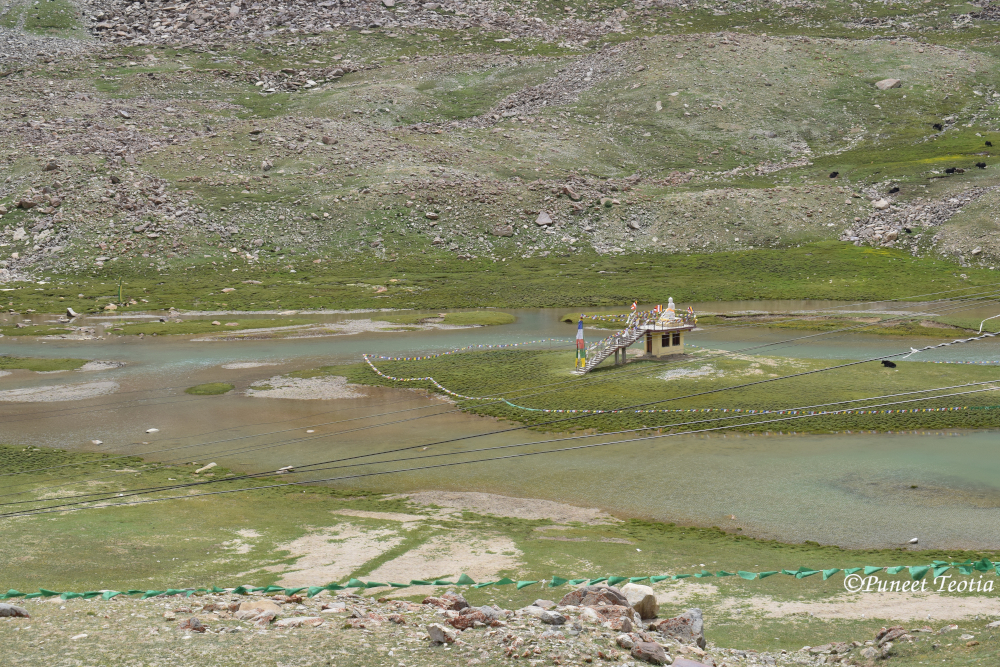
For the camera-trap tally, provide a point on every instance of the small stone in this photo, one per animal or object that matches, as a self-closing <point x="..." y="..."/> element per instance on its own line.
<point x="771" y="134"/>
<point x="881" y="204"/>
<point x="624" y="641"/>
<point x="431" y="215"/>
<point x="124" y="114"/>
<point x="329" y="141"/>
<point x="216" y="323"/>
<point x="886" y="84"/>
<point x="192" y="624"/>
<point x="71" y="313"/>
<point x="977" y="250"/>
<point x="544" y="604"/>
<point x="152" y="430"/>
<point x="227" y="290"/>
<point x="51" y="166"/>
<point x="502" y="230"/>
<point x="543" y="219"/>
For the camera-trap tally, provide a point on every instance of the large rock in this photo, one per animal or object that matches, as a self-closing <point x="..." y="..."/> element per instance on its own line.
<point x="11" y="610"/>
<point x="886" y="84"/>
<point x="688" y="628"/>
<point x="594" y="596"/>
<point x="543" y="219"/>
<point x="552" y="618"/>
<point x="650" y="652"/>
<point x="440" y="634"/>
<point x="642" y="598"/>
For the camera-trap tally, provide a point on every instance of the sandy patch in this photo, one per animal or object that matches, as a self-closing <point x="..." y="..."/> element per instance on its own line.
<point x="247" y="364"/>
<point x="329" y="387"/>
<point x="518" y="508"/>
<point x="449" y="556"/>
<point x="2" y="373"/>
<point x="59" y="392"/>
<point x="248" y="533"/>
<point x="332" y="554"/>
<point x="889" y="606"/>
<point x="386" y="516"/>
<point x="100" y="366"/>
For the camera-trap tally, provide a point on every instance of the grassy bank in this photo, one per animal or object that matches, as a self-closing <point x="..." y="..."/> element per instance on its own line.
<point x="39" y="365"/>
<point x="826" y="270"/>
<point x="540" y="383"/>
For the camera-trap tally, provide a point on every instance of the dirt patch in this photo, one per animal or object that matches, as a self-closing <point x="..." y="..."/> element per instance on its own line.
<point x="332" y="554"/>
<point x="59" y="392"/>
<point x="517" y="508"/>
<point x="450" y="556"/>
<point x="306" y="389"/>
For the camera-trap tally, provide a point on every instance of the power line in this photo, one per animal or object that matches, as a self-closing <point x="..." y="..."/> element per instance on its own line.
<point x="302" y="469"/>
<point x="444" y="465"/>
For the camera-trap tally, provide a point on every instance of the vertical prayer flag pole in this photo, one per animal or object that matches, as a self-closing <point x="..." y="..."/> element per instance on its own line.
<point x="581" y="352"/>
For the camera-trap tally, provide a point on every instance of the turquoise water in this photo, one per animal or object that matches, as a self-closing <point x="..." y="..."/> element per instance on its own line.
<point x="852" y="490"/>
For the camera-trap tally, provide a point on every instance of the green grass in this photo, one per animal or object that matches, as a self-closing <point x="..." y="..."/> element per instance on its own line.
<point x="825" y="270"/>
<point x="187" y="327"/>
<point x="662" y="386"/>
<point x="39" y="364"/>
<point x="209" y="389"/>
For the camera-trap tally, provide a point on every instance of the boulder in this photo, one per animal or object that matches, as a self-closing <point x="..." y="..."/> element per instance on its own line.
<point x="650" y="652"/>
<point x="440" y="634"/>
<point x="544" y="604"/>
<point x="624" y="641"/>
<point x="642" y="599"/>
<point x="886" y="84"/>
<point x="592" y="596"/>
<point x="688" y="628"/>
<point x="13" y="611"/>
<point x="881" y="204"/>
<point x="502" y="230"/>
<point x="552" y="618"/>
<point x="543" y="219"/>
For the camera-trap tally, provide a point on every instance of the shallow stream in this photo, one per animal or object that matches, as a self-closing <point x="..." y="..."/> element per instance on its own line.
<point x="853" y="490"/>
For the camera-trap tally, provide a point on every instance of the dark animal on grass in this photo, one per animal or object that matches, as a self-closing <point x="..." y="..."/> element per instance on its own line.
<point x="834" y="174"/>
<point x="981" y="165"/>
<point x="949" y="170"/>
<point x="888" y="364"/>
<point x="938" y="126"/>
<point x="989" y="143"/>
<point x="894" y="189"/>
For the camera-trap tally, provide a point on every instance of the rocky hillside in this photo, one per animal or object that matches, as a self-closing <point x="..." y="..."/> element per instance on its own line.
<point x="171" y="135"/>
